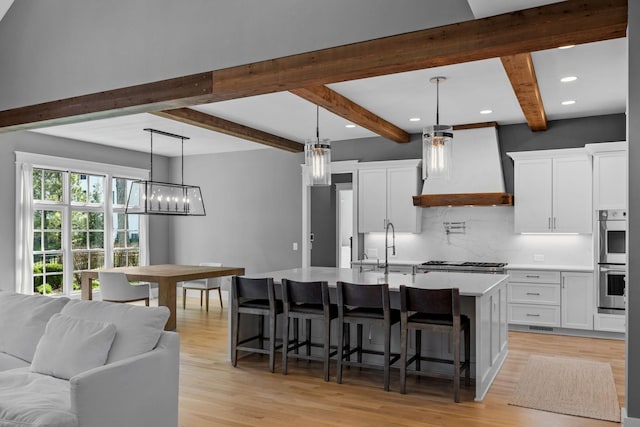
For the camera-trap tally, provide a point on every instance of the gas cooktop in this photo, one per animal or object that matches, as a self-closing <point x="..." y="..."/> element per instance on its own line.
<point x="489" y="267"/>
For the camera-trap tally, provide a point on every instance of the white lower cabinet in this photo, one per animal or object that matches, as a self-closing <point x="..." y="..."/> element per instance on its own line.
<point x="551" y="299"/>
<point x="577" y="301"/>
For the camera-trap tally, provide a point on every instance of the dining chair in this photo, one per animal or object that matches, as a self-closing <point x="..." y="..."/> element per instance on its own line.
<point x="433" y="310"/>
<point x="307" y="301"/>
<point x="364" y="304"/>
<point x="204" y="286"/>
<point x="115" y="287"/>
<point x="255" y="297"/>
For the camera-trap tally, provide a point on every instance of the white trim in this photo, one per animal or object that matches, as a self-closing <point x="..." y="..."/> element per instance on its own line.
<point x="628" y="421"/>
<point x="45" y="161"/>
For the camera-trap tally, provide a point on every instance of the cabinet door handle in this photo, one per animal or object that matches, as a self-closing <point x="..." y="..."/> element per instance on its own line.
<point x="549" y="223"/>
<point x="532" y="315"/>
<point x="532" y="277"/>
<point x="554" y="222"/>
<point x="533" y="293"/>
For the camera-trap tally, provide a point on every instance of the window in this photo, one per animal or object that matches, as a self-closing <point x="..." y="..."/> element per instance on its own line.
<point x="77" y="222"/>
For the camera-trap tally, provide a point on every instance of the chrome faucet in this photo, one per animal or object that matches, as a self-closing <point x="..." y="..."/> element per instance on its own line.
<point x="386" y="245"/>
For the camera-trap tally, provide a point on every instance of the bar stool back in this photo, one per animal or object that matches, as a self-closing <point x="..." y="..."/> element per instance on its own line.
<point x="434" y="310"/>
<point x="308" y="301"/>
<point x="361" y="304"/>
<point x="256" y="297"/>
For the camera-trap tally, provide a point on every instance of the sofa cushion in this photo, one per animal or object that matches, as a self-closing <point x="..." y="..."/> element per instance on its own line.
<point x="30" y="399"/>
<point x="8" y="361"/>
<point x="137" y="328"/>
<point x="28" y="315"/>
<point x="70" y="346"/>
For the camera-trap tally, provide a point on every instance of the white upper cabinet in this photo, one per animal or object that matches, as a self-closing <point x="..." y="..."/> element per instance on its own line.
<point x="552" y="191"/>
<point x="609" y="175"/>
<point x="385" y="191"/>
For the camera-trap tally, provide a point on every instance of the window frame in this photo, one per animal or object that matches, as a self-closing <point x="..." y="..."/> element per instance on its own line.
<point x="107" y="208"/>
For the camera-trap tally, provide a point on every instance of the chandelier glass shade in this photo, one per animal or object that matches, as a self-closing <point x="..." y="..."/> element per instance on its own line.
<point x="149" y="197"/>
<point x="436" y="144"/>
<point x="317" y="153"/>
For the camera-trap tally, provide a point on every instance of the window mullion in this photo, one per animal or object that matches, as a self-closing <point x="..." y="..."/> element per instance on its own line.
<point x="67" y="254"/>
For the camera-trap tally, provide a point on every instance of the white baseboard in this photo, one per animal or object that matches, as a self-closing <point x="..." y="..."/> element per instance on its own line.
<point x="628" y="421"/>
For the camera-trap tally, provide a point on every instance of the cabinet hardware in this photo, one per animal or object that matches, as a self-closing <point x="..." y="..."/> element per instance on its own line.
<point x="532" y="277"/>
<point x="532" y="315"/>
<point x="549" y="223"/>
<point x="554" y="222"/>
<point x="533" y="293"/>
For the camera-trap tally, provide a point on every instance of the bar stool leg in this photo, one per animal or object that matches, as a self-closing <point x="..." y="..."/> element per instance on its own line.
<point x="308" y="336"/>
<point x="418" y="348"/>
<point x="327" y="345"/>
<point x="220" y="296"/>
<point x="340" y="354"/>
<point x="285" y="345"/>
<point x="403" y="358"/>
<point x="359" y="338"/>
<point x="272" y="341"/>
<point x="387" y="355"/>
<point x="184" y="298"/>
<point x="235" y="331"/>
<point x="456" y="365"/>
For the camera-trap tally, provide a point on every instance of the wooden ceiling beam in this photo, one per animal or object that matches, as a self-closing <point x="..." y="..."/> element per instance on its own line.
<point x="217" y="124"/>
<point x="529" y="30"/>
<point x="522" y="76"/>
<point x="349" y="110"/>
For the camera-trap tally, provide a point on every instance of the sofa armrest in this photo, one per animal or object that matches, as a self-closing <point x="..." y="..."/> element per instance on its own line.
<point x="139" y="391"/>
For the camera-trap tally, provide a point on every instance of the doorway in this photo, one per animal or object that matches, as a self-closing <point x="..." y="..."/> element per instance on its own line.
<point x="344" y="225"/>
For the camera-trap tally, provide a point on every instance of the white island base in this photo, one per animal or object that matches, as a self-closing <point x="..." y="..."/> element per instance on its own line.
<point x="483" y="299"/>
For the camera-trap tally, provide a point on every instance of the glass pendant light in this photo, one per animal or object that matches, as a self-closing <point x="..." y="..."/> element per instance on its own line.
<point x="164" y="198"/>
<point x="436" y="144"/>
<point x="317" y="153"/>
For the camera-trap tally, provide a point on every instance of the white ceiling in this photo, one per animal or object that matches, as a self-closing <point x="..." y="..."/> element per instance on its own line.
<point x="600" y="89"/>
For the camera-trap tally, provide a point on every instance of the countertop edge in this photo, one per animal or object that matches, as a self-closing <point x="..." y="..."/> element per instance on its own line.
<point x="576" y="268"/>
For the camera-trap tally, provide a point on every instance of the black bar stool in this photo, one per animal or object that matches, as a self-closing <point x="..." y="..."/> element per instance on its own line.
<point x="256" y="297"/>
<point x="434" y="310"/>
<point x="361" y="304"/>
<point x="308" y="301"/>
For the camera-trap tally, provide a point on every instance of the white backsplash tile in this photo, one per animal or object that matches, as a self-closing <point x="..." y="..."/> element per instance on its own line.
<point x="488" y="236"/>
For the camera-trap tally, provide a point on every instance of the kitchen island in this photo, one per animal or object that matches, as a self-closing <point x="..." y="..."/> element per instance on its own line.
<point x="483" y="299"/>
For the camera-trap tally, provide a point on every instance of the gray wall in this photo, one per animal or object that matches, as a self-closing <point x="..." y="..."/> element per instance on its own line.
<point x="254" y="210"/>
<point x="53" y="146"/>
<point x="57" y="49"/>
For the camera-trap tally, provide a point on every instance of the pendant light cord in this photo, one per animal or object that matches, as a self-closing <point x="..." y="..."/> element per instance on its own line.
<point x="182" y="164"/>
<point x="437" y="102"/>
<point x="317" y="124"/>
<point x="151" y="154"/>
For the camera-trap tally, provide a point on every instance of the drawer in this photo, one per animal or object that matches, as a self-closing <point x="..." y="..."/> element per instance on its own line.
<point x="534" y="276"/>
<point x="609" y="322"/>
<point x="529" y="314"/>
<point x="534" y="293"/>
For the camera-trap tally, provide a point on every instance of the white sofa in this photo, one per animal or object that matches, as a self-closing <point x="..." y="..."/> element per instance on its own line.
<point x="72" y="363"/>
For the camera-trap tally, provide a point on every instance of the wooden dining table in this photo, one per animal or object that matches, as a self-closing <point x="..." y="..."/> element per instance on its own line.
<point x="166" y="276"/>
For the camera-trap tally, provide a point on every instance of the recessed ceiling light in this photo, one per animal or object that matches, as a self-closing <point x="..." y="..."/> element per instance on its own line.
<point x="569" y="46"/>
<point x="569" y="102"/>
<point x="486" y="111"/>
<point x="568" y="79"/>
<point x="350" y="125"/>
<point x="414" y="119"/>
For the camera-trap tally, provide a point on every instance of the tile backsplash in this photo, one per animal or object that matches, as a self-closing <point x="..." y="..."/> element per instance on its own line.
<point x="487" y="236"/>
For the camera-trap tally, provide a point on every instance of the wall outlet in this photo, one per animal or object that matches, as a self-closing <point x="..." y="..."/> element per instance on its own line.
<point x="295" y="246"/>
<point x="538" y="257"/>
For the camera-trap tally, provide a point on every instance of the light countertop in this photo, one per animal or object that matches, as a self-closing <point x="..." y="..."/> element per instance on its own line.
<point x="470" y="284"/>
<point x="541" y="267"/>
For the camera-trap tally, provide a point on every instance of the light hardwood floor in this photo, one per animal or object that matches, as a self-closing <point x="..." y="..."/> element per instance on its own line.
<point x="213" y="393"/>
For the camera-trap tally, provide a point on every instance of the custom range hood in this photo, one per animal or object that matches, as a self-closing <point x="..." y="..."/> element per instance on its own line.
<point x="476" y="177"/>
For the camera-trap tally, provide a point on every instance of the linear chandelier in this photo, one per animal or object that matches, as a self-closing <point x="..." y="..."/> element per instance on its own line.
<point x="149" y="197"/>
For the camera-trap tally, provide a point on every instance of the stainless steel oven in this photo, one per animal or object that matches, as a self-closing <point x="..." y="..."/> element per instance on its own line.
<point x="612" y="280"/>
<point x="612" y="236"/>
